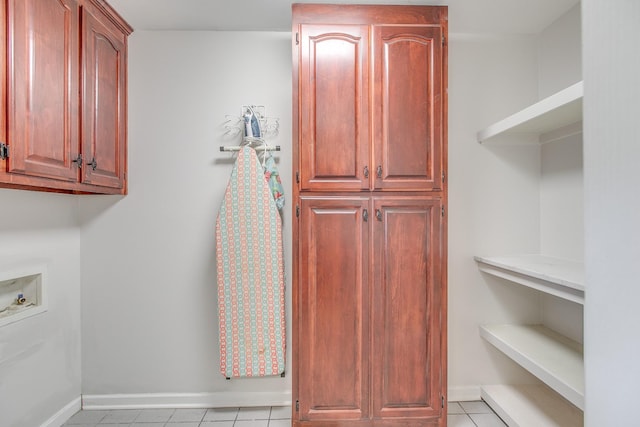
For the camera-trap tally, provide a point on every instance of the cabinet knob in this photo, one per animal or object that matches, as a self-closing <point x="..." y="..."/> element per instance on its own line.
<point x="78" y="161"/>
<point x="365" y="215"/>
<point x="378" y="214"/>
<point x="379" y="171"/>
<point x="93" y="164"/>
<point x="366" y="171"/>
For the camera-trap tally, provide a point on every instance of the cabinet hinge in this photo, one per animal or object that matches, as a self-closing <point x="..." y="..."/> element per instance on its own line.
<point x="444" y="40"/>
<point x="442" y="211"/>
<point x="442" y="401"/>
<point x="4" y="151"/>
<point x="297" y="405"/>
<point x="297" y="211"/>
<point x="297" y="177"/>
<point x="444" y="176"/>
<point x="297" y="38"/>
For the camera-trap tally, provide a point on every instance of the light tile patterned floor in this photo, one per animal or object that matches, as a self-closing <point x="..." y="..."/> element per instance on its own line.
<point x="461" y="414"/>
<point x="237" y="417"/>
<point x="472" y="414"/>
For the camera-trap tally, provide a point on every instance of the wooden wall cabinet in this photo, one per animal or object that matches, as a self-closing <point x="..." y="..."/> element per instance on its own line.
<point x="369" y="244"/>
<point x="64" y="62"/>
<point x="374" y="114"/>
<point x="370" y="341"/>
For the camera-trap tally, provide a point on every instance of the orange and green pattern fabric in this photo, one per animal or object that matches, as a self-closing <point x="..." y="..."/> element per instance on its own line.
<point x="250" y="274"/>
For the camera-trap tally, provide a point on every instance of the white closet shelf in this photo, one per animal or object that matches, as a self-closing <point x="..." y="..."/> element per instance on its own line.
<point x="553" y="358"/>
<point x="558" y="277"/>
<point x="560" y="111"/>
<point x="531" y="406"/>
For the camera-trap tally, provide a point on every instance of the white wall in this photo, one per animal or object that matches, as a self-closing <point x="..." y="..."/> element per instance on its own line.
<point x="40" y="355"/>
<point x="560" y="53"/>
<point x="561" y="199"/>
<point x="612" y="204"/>
<point x="494" y="206"/>
<point x="561" y="185"/>
<point x="149" y="285"/>
<point x="561" y="174"/>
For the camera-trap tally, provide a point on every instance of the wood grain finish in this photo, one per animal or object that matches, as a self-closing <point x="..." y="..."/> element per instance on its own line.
<point x="65" y="99"/>
<point x="369" y="286"/>
<point x="334" y="122"/>
<point x="406" y="371"/>
<point x="43" y="88"/>
<point x="103" y="100"/>
<point x="333" y="344"/>
<point x="373" y="112"/>
<point x="407" y="107"/>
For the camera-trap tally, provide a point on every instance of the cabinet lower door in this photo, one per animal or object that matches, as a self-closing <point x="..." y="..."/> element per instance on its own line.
<point x="104" y="100"/>
<point x="332" y="335"/>
<point x="407" y="352"/>
<point x="43" y="88"/>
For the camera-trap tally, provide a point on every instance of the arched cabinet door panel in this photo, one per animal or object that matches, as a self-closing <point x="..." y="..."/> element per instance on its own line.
<point x="334" y="126"/>
<point x="104" y="95"/>
<point x="408" y="110"/>
<point x="43" y="85"/>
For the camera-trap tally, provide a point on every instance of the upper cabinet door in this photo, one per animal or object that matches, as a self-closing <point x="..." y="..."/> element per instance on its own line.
<point x="333" y="107"/>
<point x="103" y="99"/>
<point x="408" y="113"/>
<point x="42" y="88"/>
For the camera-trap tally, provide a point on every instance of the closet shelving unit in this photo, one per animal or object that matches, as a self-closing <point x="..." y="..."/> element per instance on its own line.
<point x="554" y="117"/>
<point x="554" y="359"/>
<point x="554" y="276"/>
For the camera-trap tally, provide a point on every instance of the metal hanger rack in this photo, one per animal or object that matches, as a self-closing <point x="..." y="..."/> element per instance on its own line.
<point x="252" y="120"/>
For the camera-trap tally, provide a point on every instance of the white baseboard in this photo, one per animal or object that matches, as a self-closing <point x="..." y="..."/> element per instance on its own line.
<point x="221" y="399"/>
<point x="206" y="400"/>
<point x="63" y="415"/>
<point x="463" y="394"/>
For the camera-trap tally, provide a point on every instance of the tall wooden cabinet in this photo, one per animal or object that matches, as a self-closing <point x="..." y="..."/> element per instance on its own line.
<point x="64" y="62"/>
<point x="369" y="286"/>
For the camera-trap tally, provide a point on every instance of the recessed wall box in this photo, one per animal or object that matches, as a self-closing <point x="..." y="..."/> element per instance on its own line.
<point x="22" y="290"/>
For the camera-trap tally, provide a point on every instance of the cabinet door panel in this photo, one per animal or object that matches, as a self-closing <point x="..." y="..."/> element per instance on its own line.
<point x="104" y="101"/>
<point x="408" y="107"/>
<point x="332" y="336"/>
<point x="407" y="295"/>
<point x="334" y="126"/>
<point x="43" y="88"/>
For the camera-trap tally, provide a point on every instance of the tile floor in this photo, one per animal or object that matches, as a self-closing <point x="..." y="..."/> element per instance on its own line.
<point x="277" y="416"/>
<point x="472" y="414"/>
<point x="461" y="414"/>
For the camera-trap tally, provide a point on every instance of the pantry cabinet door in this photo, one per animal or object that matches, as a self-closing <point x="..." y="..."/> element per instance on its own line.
<point x="408" y="98"/>
<point x="43" y="88"/>
<point x="333" y="107"/>
<point x="332" y="290"/>
<point x="407" y="311"/>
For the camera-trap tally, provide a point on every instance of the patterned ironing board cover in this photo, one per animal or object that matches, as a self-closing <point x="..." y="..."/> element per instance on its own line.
<point x="250" y="274"/>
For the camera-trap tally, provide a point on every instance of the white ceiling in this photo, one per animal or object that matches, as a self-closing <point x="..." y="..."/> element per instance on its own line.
<point x="465" y="16"/>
